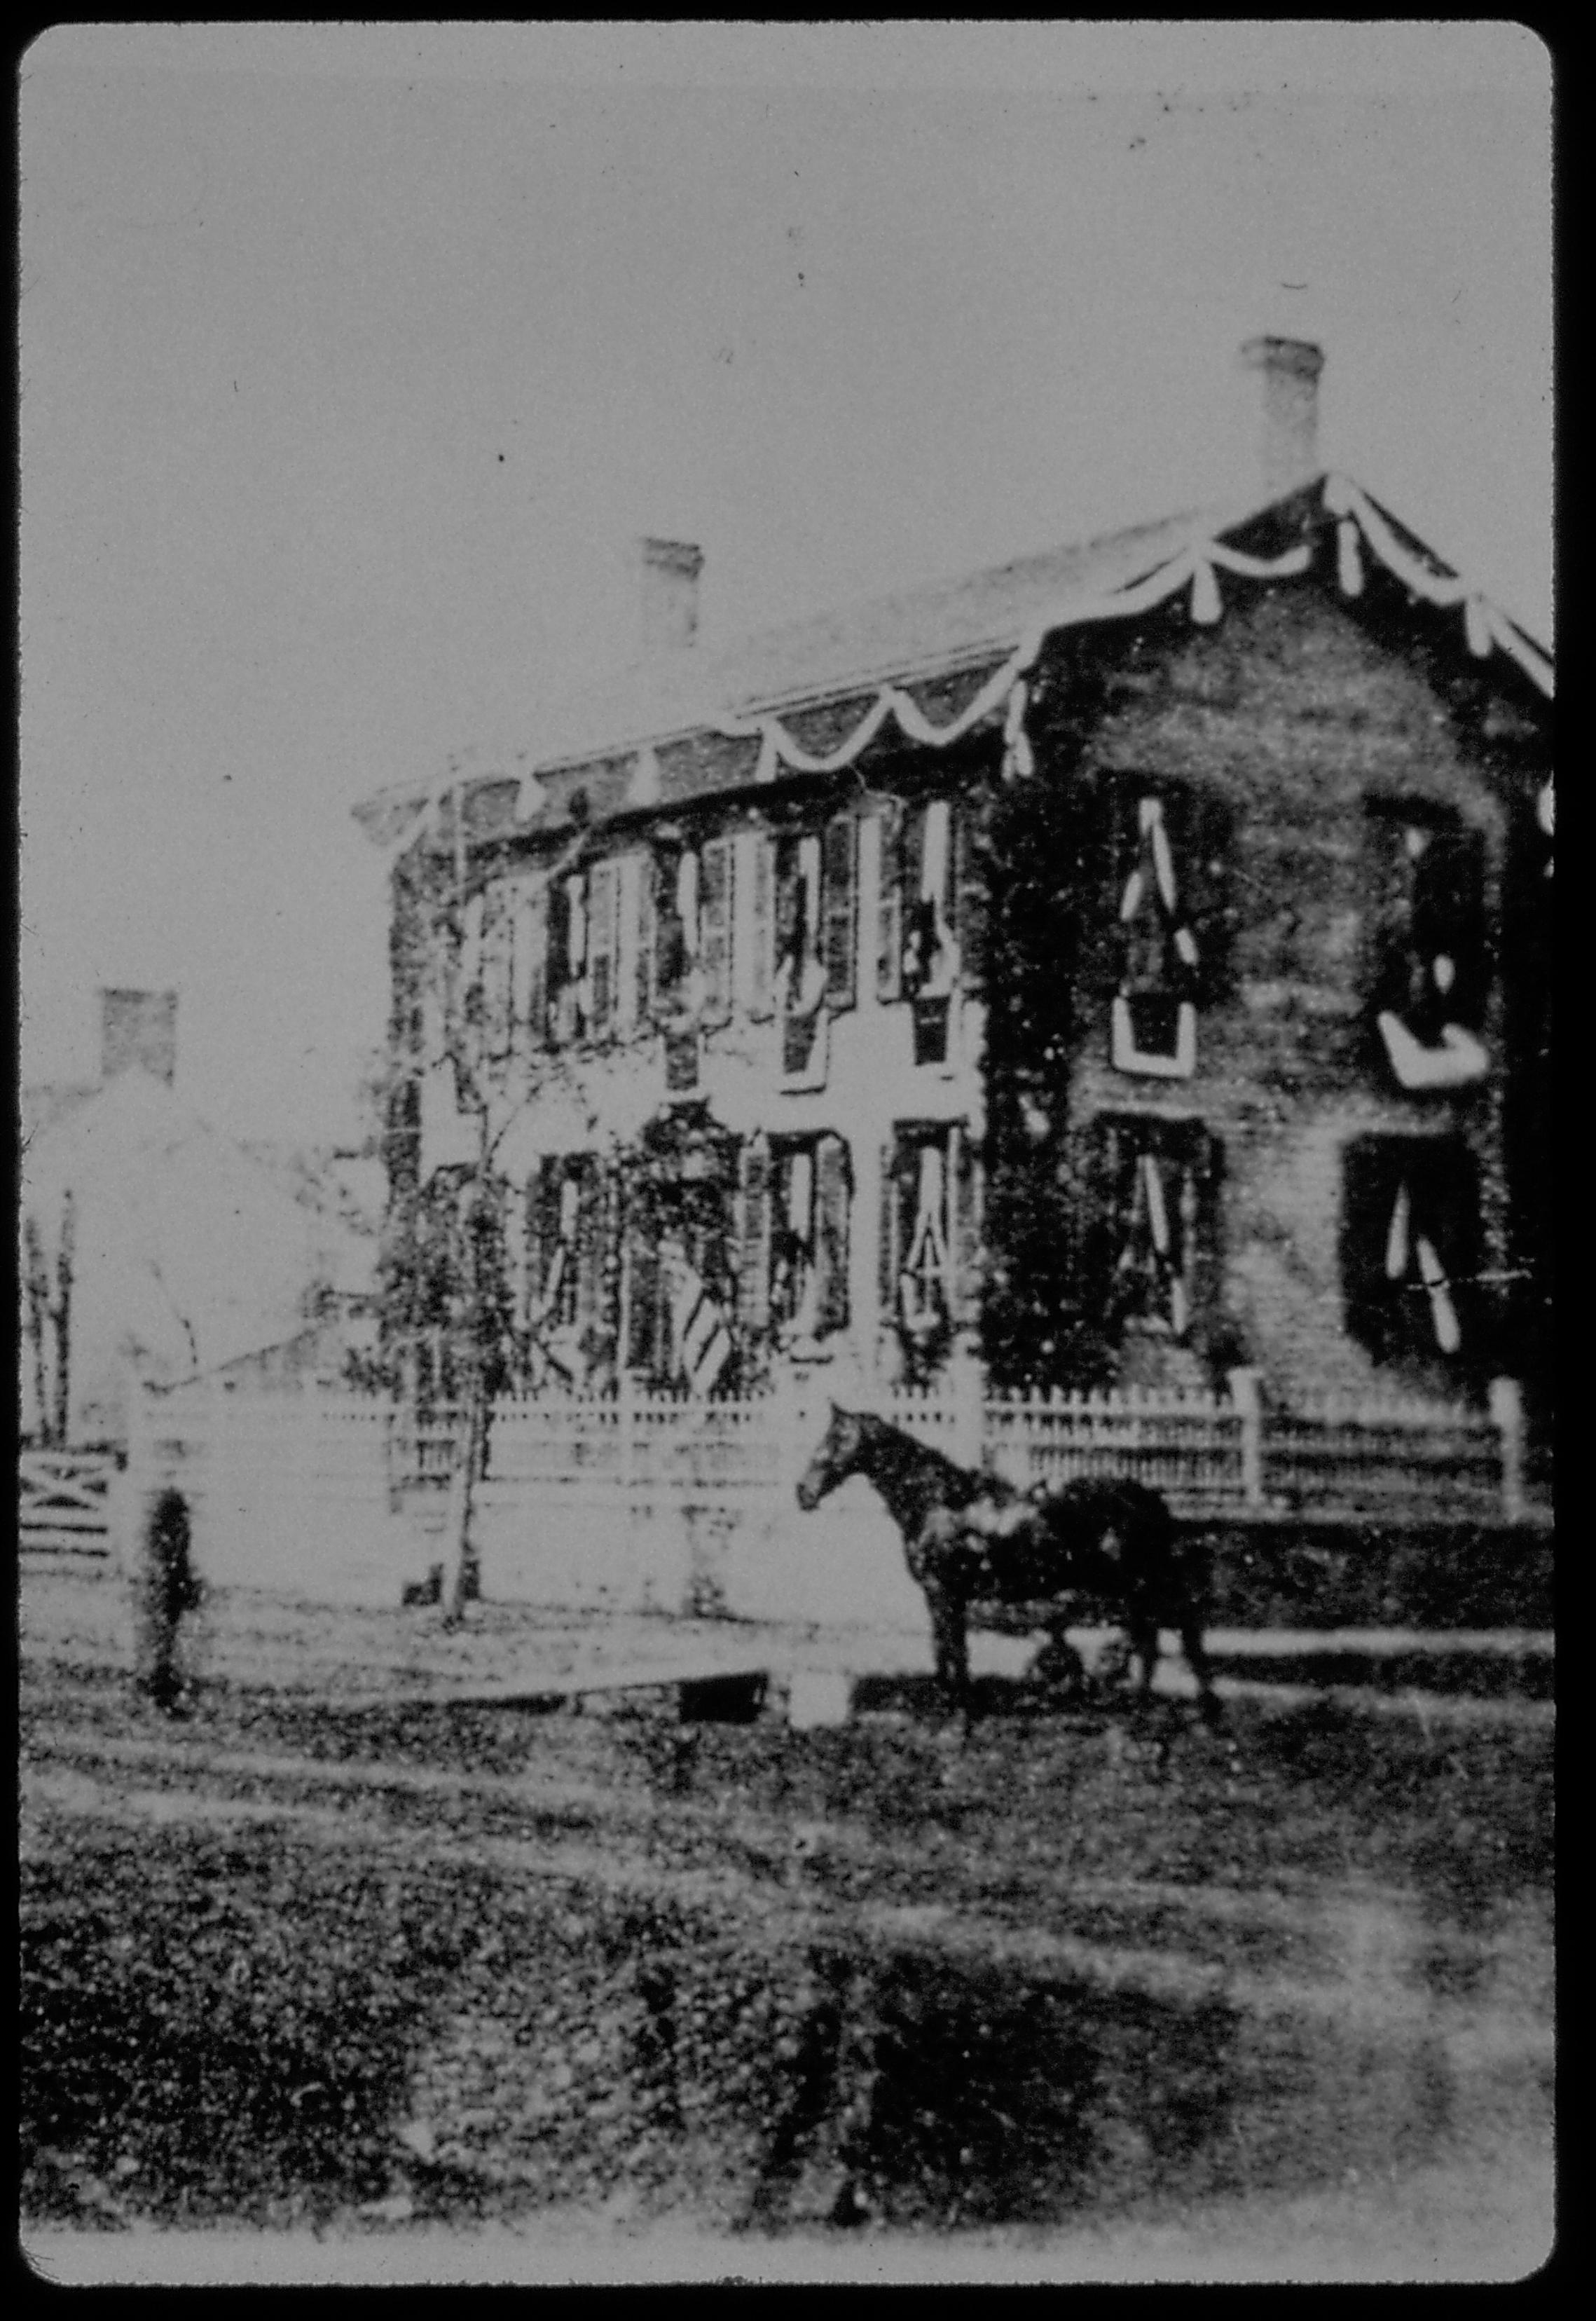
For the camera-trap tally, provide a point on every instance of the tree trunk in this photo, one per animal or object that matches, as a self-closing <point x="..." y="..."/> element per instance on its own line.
<point x="462" y="1570"/>
<point x="38" y="1287"/>
<point x="63" y="1321"/>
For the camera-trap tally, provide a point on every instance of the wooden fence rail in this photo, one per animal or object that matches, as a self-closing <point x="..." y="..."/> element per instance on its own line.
<point x="1206" y="1453"/>
<point x="656" y="1501"/>
<point x="63" y="1501"/>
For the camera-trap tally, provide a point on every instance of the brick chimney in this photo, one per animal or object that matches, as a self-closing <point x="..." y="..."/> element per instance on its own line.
<point x="670" y="570"/>
<point x="139" y="1027"/>
<point x="1286" y="421"/>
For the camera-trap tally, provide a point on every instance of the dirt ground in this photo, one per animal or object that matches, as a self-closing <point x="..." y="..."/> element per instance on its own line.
<point x="337" y="1977"/>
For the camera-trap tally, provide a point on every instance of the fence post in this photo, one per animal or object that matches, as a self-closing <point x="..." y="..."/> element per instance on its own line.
<point x="1507" y="1410"/>
<point x="1245" y="1394"/>
<point x="967" y="1385"/>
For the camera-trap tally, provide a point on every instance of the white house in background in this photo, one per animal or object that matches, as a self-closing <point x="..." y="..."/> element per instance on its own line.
<point x="184" y="1252"/>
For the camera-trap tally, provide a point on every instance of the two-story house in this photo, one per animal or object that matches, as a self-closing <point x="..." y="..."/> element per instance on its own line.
<point x="1130" y="962"/>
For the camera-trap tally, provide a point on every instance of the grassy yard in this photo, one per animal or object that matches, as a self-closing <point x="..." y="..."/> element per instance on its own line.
<point x="350" y="1960"/>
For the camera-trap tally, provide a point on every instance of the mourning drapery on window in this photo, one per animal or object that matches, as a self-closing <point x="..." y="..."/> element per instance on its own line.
<point x="1429" y="966"/>
<point x="603" y="947"/>
<point x="929" y="1227"/>
<point x="565" y="1266"/>
<point x="753" y="895"/>
<point x="568" y="958"/>
<point x="839" y="909"/>
<point x="808" y="1235"/>
<point x="1411" y="1241"/>
<point x="531" y="958"/>
<point x="1155" y="1235"/>
<point x="633" y="871"/>
<point x="929" y="914"/>
<point x="816" y="912"/>
<point x="497" y="979"/>
<point x="716" y="921"/>
<point x="1153" y="1016"/>
<point x="675" y="925"/>
<point x="682" y="1214"/>
<point x="458" y="1284"/>
<point x="931" y="969"/>
<point x="800" y="978"/>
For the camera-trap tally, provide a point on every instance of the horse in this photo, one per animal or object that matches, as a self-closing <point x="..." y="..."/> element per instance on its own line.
<point x="972" y="1538"/>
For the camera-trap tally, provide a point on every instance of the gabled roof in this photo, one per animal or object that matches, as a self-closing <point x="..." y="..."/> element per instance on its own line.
<point x="916" y="632"/>
<point x="975" y="622"/>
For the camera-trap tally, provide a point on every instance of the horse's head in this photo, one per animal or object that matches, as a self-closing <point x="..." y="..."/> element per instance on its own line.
<point x="839" y="1454"/>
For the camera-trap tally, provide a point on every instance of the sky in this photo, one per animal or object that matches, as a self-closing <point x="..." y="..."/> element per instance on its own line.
<point x="353" y="359"/>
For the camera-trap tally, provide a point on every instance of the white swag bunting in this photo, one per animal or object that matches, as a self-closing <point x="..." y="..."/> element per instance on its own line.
<point x="1195" y="567"/>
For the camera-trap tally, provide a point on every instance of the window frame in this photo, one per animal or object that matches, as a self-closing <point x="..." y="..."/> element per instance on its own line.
<point x="1159" y="1221"/>
<point x="1395" y="1299"/>
<point x="1152" y="869"/>
<point x="822" y="1303"/>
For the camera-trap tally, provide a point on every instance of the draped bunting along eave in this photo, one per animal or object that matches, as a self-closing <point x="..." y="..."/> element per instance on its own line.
<point x="1004" y="691"/>
<point x="1196" y="567"/>
<point x="1485" y="626"/>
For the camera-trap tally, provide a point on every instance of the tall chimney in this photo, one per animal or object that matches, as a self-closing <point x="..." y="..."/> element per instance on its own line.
<point x="1287" y="373"/>
<point x="139" y="1027"/>
<point x="670" y="570"/>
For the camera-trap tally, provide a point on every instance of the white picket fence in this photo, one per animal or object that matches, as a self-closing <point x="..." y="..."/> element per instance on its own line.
<point x="1206" y="1453"/>
<point x="655" y="1500"/>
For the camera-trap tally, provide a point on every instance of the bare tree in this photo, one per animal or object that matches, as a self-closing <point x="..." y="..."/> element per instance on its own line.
<point x="37" y="1284"/>
<point x="62" y="1316"/>
<point x="49" y="1325"/>
<point x="498" y="1079"/>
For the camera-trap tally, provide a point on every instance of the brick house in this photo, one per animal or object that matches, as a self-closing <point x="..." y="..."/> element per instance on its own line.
<point x="1128" y="963"/>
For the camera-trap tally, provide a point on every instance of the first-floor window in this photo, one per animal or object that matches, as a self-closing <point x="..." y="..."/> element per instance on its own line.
<point x="458" y="1287"/>
<point x="565" y="1266"/>
<point x="1158" y="1224"/>
<point x="680" y="1290"/>
<point x="1410" y="1244"/>
<point x="808" y="1196"/>
<point x="928" y="1219"/>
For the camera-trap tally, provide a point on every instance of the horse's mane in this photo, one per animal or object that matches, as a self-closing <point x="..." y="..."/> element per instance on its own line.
<point x="961" y="1484"/>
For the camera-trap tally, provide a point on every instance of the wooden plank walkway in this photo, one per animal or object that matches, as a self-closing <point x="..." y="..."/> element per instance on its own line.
<point x="580" y="1684"/>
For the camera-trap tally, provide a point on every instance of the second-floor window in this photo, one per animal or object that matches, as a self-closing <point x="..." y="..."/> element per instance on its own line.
<point x="929" y="916"/>
<point x="1167" y="859"/>
<point x="566" y="984"/>
<point x="684" y="933"/>
<point x="816" y="939"/>
<point x="688" y="908"/>
<point x="1427" y="964"/>
<point x="673" y="894"/>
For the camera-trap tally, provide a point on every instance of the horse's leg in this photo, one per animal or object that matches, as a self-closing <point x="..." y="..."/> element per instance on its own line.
<point x="949" y="1634"/>
<point x="1142" y="1625"/>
